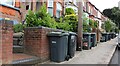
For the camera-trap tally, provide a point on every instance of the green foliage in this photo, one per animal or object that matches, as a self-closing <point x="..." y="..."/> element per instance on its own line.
<point x="108" y="25"/>
<point x="40" y="18"/>
<point x="113" y="14"/>
<point x="72" y="21"/>
<point x="91" y="23"/>
<point x="18" y="28"/>
<point x="85" y="24"/>
<point x="63" y="26"/>
<point x="95" y="24"/>
<point x="69" y="11"/>
<point x="68" y="23"/>
<point x="85" y="27"/>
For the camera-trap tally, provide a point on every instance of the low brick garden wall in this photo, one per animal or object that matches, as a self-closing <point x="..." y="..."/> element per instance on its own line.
<point x="36" y="42"/>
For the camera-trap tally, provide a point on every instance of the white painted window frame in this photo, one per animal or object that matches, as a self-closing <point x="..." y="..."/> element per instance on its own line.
<point x="8" y="4"/>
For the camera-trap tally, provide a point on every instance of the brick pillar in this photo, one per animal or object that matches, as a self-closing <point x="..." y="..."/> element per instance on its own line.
<point x="6" y="41"/>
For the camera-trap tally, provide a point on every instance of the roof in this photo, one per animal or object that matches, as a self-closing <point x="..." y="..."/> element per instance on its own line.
<point x="10" y="7"/>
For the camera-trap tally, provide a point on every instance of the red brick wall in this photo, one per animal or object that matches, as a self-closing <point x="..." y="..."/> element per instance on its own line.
<point x="6" y="42"/>
<point x="6" y="12"/>
<point x="36" y="42"/>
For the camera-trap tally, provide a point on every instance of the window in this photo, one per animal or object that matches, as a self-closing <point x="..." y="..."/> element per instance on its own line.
<point x="58" y="10"/>
<point x="27" y="7"/>
<point x="50" y="10"/>
<point x="15" y="22"/>
<point x="1" y="18"/>
<point x="8" y="2"/>
<point x="58" y="14"/>
<point x="38" y="5"/>
<point x="50" y="3"/>
<point x="50" y="7"/>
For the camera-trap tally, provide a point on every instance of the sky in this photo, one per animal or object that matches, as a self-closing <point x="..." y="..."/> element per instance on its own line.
<point x="103" y="4"/>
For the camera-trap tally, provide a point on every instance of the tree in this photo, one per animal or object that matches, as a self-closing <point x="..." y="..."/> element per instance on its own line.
<point x="108" y="13"/>
<point x="108" y="26"/>
<point x="113" y="14"/>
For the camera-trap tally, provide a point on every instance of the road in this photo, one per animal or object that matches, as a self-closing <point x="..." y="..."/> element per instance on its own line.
<point x="115" y="61"/>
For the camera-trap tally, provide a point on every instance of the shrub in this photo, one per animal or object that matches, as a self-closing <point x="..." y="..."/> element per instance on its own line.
<point x="18" y="28"/>
<point x="69" y="11"/>
<point x="85" y="23"/>
<point x="40" y="18"/>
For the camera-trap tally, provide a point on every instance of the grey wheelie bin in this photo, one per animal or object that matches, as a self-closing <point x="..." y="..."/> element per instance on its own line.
<point x="93" y="39"/>
<point x="72" y="44"/>
<point x="87" y="41"/>
<point x="109" y="36"/>
<point x="112" y="35"/>
<point x="58" y="46"/>
<point x="105" y="36"/>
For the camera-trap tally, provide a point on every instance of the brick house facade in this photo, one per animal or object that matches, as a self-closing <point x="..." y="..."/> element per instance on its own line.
<point x="10" y="12"/>
<point x="19" y="10"/>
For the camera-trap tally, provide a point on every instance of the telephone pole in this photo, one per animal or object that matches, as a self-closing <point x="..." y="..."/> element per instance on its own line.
<point x="80" y="25"/>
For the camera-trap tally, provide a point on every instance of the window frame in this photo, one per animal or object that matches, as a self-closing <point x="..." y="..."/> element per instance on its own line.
<point x="58" y="3"/>
<point x="52" y="11"/>
<point x="5" y="3"/>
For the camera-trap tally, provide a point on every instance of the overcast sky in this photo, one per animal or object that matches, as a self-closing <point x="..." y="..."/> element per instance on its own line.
<point x="103" y="4"/>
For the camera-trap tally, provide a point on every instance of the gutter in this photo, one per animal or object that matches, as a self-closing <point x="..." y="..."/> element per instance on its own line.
<point x="17" y="9"/>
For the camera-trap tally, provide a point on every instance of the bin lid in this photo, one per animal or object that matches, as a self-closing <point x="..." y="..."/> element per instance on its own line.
<point x="86" y="33"/>
<point x="104" y="33"/>
<point x="93" y="33"/>
<point x="72" y="33"/>
<point x="57" y="34"/>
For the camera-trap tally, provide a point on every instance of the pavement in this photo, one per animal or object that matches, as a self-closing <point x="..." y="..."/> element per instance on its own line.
<point x="101" y="54"/>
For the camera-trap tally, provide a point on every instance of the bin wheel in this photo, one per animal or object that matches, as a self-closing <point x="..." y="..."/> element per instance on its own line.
<point x="67" y="58"/>
<point x="90" y="47"/>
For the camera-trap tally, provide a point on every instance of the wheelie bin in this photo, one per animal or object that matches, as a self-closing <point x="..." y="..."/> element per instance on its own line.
<point x="72" y="44"/>
<point x="58" y="46"/>
<point x="93" y="39"/>
<point x="105" y="36"/>
<point x="87" y="41"/>
<point x="109" y="36"/>
<point x="113" y="35"/>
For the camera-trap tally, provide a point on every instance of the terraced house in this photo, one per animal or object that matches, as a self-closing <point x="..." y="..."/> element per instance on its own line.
<point x="16" y="10"/>
<point x="10" y="10"/>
